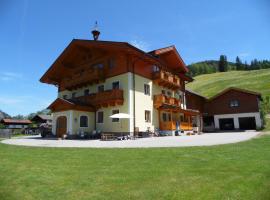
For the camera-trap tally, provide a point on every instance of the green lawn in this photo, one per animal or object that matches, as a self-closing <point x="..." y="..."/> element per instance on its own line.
<point x="267" y="125"/>
<point x="234" y="171"/>
<point x="211" y="84"/>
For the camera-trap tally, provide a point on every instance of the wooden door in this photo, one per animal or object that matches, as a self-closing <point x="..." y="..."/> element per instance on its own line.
<point x="61" y="126"/>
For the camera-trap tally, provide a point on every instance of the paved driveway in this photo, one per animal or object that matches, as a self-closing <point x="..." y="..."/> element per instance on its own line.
<point x="169" y="141"/>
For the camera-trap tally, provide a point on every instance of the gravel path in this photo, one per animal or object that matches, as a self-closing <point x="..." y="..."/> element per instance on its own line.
<point x="169" y="141"/>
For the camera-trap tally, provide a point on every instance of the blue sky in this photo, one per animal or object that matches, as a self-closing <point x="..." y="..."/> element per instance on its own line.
<point x="34" y="32"/>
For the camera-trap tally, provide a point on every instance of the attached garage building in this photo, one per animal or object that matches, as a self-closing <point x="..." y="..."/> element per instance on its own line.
<point x="234" y="108"/>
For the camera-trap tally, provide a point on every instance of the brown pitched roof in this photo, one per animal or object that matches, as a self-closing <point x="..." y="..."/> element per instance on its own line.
<point x="62" y="104"/>
<point x="195" y="93"/>
<point x="51" y="76"/>
<point x="170" y="50"/>
<point x="236" y="89"/>
<point x="46" y="78"/>
<point x="42" y="117"/>
<point x="16" y="121"/>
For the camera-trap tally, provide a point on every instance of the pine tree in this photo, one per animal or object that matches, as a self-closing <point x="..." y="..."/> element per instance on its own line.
<point x="238" y="63"/>
<point x="246" y="66"/>
<point x="223" y="64"/>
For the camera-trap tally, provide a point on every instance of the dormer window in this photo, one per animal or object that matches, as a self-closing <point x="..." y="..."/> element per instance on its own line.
<point x="111" y="63"/>
<point x="155" y="68"/>
<point x="98" y="66"/>
<point x="234" y="103"/>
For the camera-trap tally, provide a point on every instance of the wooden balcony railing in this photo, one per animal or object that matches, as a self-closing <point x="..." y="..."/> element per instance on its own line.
<point x="104" y="99"/>
<point x="84" y="78"/>
<point x="167" y="80"/>
<point x="161" y="99"/>
<point x="186" y="126"/>
<point x="171" y="126"/>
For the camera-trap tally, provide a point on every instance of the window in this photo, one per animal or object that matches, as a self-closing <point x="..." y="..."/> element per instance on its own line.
<point x="73" y="95"/>
<point x="147" y="116"/>
<point x="163" y="92"/>
<point x="169" y="117"/>
<point x="169" y="93"/>
<point x="101" y="88"/>
<point x="86" y="92"/>
<point x="100" y="117"/>
<point x="181" y="118"/>
<point x="234" y="103"/>
<point x="83" y="121"/>
<point x="147" y="89"/>
<point x="115" y="119"/>
<point x="111" y="63"/>
<point x="99" y="66"/>
<point x="115" y="85"/>
<point x="164" y="117"/>
<point x="155" y="68"/>
<point x="65" y="96"/>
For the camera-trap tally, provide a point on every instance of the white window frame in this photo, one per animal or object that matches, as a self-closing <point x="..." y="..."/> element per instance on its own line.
<point x="146" y="84"/>
<point x="116" y="82"/>
<point x="115" y="118"/>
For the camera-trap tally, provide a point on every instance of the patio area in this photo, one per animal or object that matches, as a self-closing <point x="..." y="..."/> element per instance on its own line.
<point x="207" y="139"/>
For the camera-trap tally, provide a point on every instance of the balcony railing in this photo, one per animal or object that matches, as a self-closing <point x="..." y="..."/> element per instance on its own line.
<point x="84" y="78"/>
<point x="161" y="99"/>
<point x="167" y="80"/>
<point x="171" y="126"/>
<point x="186" y="126"/>
<point x="104" y="99"/>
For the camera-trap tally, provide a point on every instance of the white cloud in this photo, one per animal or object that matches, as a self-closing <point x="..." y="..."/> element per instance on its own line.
<point x="140" y="45"/>
<point x="9" y="101"/>
<point x="24" y="104"/>
<point x="9" y="76"/>
<point x="244" y="54"/>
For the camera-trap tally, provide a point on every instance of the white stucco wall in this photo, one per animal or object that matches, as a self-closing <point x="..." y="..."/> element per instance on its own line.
<point x="73" y="121"/>
<point x="235" y="117"/>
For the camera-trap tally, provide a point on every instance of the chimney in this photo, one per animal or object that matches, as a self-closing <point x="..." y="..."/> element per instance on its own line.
<point x="95" y="31"/>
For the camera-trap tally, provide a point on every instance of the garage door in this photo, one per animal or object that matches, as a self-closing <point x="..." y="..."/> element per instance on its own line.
<point x="247" y="123"/>
<point x="226" y="124"/>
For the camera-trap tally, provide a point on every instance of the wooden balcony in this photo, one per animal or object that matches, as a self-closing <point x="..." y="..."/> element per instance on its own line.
<point x="167" y="80"/>
<point x="104" y="99"/>
<point x="171" y="126"/>
<point x="166" y="126"/>
<point x="84" y="78"/>
<point x="161" y="99"/>
<point x="186" y="126"/>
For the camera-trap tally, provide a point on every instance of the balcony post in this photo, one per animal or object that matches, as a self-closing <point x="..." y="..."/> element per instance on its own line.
<point x="173" y="133"/>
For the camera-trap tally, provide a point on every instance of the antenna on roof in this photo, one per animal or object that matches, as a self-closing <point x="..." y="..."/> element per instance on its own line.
<point x="95" y="31"/>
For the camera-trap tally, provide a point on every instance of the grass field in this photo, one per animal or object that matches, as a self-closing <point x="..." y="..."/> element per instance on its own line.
<point x="234" y="171"/>
<point x="211" y="84"/>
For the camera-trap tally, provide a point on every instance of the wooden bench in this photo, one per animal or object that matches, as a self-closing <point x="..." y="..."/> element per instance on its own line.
<point x="108" y="136"/>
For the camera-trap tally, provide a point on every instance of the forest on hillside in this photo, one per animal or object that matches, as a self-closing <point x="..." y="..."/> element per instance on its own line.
<point x="222" y="65"/>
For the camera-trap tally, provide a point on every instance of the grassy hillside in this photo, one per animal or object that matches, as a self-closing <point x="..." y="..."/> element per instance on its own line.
<point x="211" y="84"/>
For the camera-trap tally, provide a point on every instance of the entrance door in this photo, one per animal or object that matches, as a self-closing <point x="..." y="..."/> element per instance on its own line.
<point x="226" y="124"/>
<point x="61" y="126"/>
<point x="247" y="123"/>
